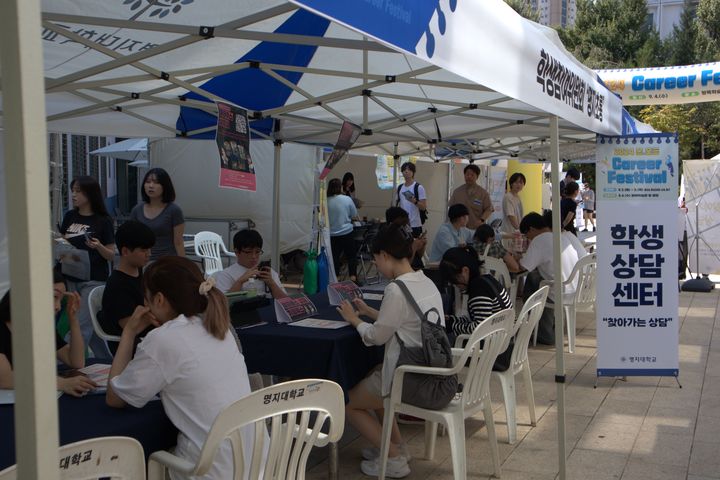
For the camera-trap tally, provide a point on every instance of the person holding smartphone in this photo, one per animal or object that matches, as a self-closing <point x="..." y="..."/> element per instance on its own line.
<point x="248" y="274"/>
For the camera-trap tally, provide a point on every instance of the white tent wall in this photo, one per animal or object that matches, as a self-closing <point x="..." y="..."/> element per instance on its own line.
<point x="432" y="176"/>
<point x="194" y="167"/>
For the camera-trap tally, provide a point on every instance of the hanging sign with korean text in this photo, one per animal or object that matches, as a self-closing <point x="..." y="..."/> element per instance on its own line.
<point x="637" y="293"/>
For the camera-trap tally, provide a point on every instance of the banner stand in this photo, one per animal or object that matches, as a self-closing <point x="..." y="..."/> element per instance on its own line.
<point x="637" y="306"/>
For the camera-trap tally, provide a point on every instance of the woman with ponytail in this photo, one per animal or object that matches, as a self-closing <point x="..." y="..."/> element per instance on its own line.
<point x="191" y="359"/>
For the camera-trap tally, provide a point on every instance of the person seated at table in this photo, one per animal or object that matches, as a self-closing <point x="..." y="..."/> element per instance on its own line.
<point x="392" y="250"/>
<point x="485" y="295"/>
<point x="123" y="290"/>
<point x="453" y="233"/>
<point x="486" y="245"/>
<point x="245" y="274"/>
<point x="190" y="359"/>
<point x="71" y="354"/>
<point x="568" y="207"/>
<point x="573" y="239"/>
<point x="539" y="260"/>
<point x="399" y="216"/>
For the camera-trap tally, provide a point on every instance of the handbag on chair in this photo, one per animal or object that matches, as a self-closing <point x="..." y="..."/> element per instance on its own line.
<point x="432" y="392"/>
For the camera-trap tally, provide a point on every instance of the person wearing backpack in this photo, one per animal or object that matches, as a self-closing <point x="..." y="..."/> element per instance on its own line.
<point x="397" y="325"/>
<point x="410" y="196"/>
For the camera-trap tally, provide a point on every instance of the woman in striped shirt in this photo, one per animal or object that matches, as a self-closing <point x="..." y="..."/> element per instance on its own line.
<point x="460" y="266"/>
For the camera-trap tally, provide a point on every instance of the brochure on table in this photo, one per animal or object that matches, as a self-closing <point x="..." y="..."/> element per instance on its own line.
<point x="347" y="290"/>
<point x="294" y="308"/>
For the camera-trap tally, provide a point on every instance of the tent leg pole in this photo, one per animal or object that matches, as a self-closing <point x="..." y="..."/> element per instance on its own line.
<point x="557" y="287"/>
<point x="26" y="168"/>
<point x="275" y="249"/>
<point x="396" y="167"/>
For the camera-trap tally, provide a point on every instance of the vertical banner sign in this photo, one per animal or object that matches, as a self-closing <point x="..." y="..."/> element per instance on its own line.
<point x="637" y="290"/>
<point x="349" y="133"/>
<point x="233" y="141"/>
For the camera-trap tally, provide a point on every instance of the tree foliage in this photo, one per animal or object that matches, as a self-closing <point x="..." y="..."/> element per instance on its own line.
<point x="611" y="34"/>
<point x="615" y="34"/>
<point x="525" y="8"/>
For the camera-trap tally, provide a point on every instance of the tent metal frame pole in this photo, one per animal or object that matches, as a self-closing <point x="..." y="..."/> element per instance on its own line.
<point x="558" y="294"/>
<point x="163" y="48"/>
<point x="396" y="167"/>
<point x="365" y="73"/>
<point x="26" y="166"/>
<point x="275" y="249"/>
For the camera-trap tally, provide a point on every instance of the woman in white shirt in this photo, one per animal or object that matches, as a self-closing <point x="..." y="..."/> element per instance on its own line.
<point x="341" y="211"/>
<point x="392" y="250"/>
<point x="512" y="205"/>
<point x="191" y="359"/>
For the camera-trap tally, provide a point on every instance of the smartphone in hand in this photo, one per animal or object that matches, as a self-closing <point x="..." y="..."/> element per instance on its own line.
<point x="408" y="195"/>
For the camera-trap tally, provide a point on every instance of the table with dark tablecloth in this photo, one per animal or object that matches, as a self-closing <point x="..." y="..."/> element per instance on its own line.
<point x="300" y="352"/>
<point x="89" y="417"/>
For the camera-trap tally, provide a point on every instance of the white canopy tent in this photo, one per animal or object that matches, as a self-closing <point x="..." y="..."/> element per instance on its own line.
<point x="133" y="149"/>
<point x="144" y="69"/>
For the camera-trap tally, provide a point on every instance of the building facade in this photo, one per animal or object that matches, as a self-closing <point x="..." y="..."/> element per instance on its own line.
<point x="556" y="13"/>
<point x="665" y="14"/>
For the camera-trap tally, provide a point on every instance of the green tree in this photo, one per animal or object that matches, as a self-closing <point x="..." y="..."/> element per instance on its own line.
<point x="695" y="123"/>
<point x="611" y="34"/>
<point x="707" y="45"/>
<point x="525" y="8"/>
<point x="681" y="46"/>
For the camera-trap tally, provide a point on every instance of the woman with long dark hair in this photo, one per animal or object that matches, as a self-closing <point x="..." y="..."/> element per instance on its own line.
<point x="396" y="319"/>
<point x="88" y="227"/>
<point x="160" y="212"/>
<point x="460" y="266"/>
<point x="191" y="359"/>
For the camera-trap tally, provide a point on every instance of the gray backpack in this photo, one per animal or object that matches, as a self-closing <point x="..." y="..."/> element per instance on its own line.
<point x="427" y="391"/>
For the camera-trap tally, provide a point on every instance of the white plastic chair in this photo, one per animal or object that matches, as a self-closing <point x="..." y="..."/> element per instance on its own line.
<point x="475" y="396"/>
<point x="582" y="299"/>
<point x="524" y="326"/>
<point x="210" y="247"/>
<point x="95" y="305"/>
<point x="497" y="268"/>
<point x="113" y="457"/>
<point x="290" y="407"/>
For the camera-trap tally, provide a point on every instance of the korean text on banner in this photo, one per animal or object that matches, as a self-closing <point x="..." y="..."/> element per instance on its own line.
<point x="536" y="68"/>
<point x="233" y="141"/>
<point x="637" y="294"/>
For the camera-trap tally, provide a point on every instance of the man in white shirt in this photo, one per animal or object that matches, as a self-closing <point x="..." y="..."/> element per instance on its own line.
<point x="245" y="275"/>
<point x="539" y="261"/>
<point x="411" y="198"/>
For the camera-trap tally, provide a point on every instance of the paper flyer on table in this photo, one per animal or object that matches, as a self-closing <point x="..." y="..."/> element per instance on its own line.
<point x="292" y="309"/>
<point x="320" y="323"/>
<point x="347" y="290"/>
<point x="98" y="373"/>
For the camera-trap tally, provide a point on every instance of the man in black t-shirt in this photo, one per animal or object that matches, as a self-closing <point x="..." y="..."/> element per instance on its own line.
<point x="123" y="290"/>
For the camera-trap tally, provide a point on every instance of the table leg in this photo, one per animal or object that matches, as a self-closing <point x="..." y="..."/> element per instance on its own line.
<point x="333" y="461"/>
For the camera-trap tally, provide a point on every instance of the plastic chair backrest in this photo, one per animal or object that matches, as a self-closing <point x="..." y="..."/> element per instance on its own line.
<point x="527" y="319"/>
<point x="497" y="268"/>
<point x="95" y="305"/>
<point x="290" y="406"/>
<point x="586" y="292"/>
<point x="209" y="246"/>
<point x="492" y="332"/>
<point x="113" y="457"/>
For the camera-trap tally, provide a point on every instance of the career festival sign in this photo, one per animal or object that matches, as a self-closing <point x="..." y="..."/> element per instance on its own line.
<point x="637" y="294"/>
<point x="665" y="85"/>
<point x="233" y="141"/>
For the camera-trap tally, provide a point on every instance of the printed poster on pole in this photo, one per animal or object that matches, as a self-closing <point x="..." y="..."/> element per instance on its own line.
<point x="637" y="289"/>
<point x="233" y="141"/>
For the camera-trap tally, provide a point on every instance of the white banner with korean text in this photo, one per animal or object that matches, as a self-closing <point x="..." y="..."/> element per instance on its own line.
<point x="637" y="292"/>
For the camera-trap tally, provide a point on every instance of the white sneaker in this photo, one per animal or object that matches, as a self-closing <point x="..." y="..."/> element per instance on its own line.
<point x="371" y="453"/>
<point x="397" y="467"/>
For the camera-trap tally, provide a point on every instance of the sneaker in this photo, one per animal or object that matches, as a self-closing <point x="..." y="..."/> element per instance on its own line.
<point x="397" y="467"/>
<point x="371" y="453"/>
<point x="410" y="420"/>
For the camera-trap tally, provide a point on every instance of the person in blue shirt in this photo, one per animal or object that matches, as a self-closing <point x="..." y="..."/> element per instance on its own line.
<point x="341" y="212"/>
<point x="453" y="233"/>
